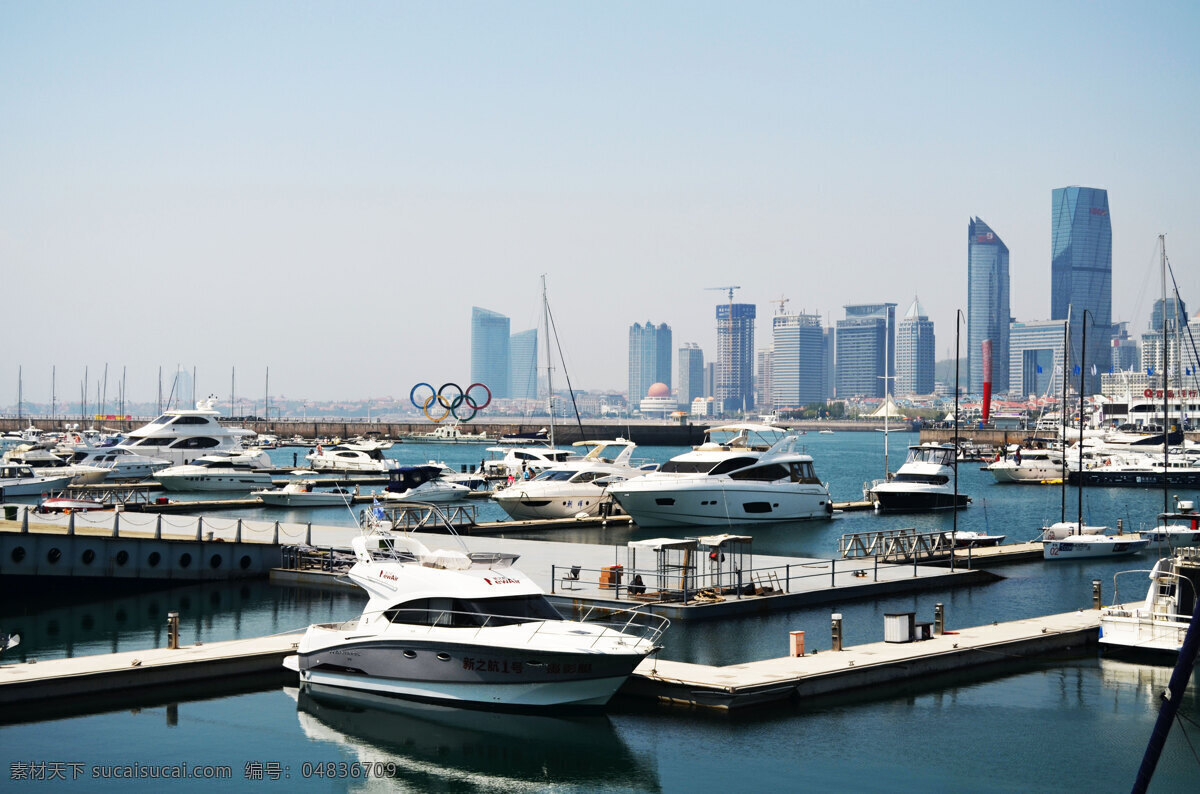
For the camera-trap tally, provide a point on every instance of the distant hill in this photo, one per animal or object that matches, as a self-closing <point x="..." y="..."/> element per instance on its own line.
<point x="944" y="371"/>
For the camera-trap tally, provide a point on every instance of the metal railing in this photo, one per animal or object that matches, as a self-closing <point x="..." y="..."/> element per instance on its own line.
<point x="896" y="545"/>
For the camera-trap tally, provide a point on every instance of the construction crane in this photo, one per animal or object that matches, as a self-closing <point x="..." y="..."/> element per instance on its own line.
<point x="723" y="289"/>
<point x="783" y="302"/>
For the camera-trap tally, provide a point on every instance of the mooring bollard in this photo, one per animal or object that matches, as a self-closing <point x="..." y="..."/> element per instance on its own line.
<point x="1096" y="597"/>
<point x="308" y="535"/>
<point x="158" y="527"/>
<point x="71" y="524"/>
<point x="173" y="630"/>
<point x="797" y="643"/>
<point x="275" y="537"/>
<point x="237" y="537"/>
<point x="939" y="619"/>
<point x="25" y="522"/>
<point x="836" y="626"/>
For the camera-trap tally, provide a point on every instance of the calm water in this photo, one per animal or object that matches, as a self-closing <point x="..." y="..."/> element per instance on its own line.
<point x="1075" y="724"/>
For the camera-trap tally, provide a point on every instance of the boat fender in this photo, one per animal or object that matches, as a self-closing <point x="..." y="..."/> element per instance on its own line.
<point x="950" y="632"/>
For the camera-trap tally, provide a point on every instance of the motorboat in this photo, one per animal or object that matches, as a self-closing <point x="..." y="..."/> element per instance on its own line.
<point x="17" y="479"/>
<point x="213" y="473"/>
<point x="473" y="480"/>
<point x="122" y="463"/>
<point x="448" y="434"/>
<point x="43" y="461"/>
<point x="1140" y="471"/>
<point x="301" y="493"/>
<point x="69" y="504"/>
<point x="1160" y="622"/>
<point x="571" y="489"/>
<point x="421" y="484"/>
<point x="366" y="458"/>
<point x="459" y="627"/>
<point x="513" y="462"/>
<point x="735" y="482"/>
<point x="1076" y="547"/>
<point x="1028" y="466"/>
<point x="965" y="539"/>
<point x="924" y="482"/>
<point x="181" y="435"/>
<point x="1178" y="528"/>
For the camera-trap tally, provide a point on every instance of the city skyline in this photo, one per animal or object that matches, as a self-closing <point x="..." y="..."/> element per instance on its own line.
<point x="163" y="161"/>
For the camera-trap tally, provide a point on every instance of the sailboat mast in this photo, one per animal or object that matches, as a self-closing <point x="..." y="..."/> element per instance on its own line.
<point x="53" y="393"/>
<point x="1166" y="423"/>
<point x="1062" y="421"/>
<point x="549" y="368"/>
<point x="20" y="391"/>
<point x="1082" y="375"/>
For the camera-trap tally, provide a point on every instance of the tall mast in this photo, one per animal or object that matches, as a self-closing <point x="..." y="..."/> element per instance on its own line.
<point x="1166" y="424"/>
<point x="267" y="396"/>
<point x="1062" y="421"/>
<point x="549" y="368"/>
<point x="1082" y="375"/>
<point x="20" y="392"/>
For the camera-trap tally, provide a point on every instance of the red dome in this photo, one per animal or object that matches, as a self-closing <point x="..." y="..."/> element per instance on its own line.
<point x="659" y="390"/>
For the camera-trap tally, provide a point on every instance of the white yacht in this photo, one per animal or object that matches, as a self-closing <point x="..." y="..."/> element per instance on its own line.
<point x="180" y="436"/>
<point x="924" y="482"/>
<point x="1178" y="528"/>
<point x="448" y="434"/>
<point x="122" y="463"/>
<point x="515" y="461"/>
<point x="20" y="480"/>
<point x="366" y="458"/>
<point x="214" y="473"/>
<point x="735" y="482"/>
<point x="466" y="628"/>
<point x="1076" y="547"/>
<point x="45" y="462"/>
<point x="1028" y="466"/>
<point x="573" y="488"/>
<point x="421" y="484"/>
<point x="1160" y="622"/>
<point x="301" y="493"/>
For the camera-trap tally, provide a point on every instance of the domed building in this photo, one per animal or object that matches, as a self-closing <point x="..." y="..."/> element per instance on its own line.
<point x="658" y="402"/>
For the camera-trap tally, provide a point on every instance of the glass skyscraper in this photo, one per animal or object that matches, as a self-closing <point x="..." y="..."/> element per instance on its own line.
<point x="691" y="374"/>
<point x="1081" y="273"/>
<point x="649" y="358"/>
<point x="915" y="352"/>
<point x="734" y="387"/>
<point x="523" y="348"/>
<point x="798" y="365"/>
<point x="987" y="306"/>
<point x="490" y="351"/>
<point x="866" y="349"/>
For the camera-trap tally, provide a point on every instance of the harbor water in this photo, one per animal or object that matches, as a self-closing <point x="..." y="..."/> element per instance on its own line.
<point x="1077" y="723"/>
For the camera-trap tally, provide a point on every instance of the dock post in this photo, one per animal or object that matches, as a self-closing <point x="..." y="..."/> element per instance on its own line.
<point x="836" y="626"/>
<point x="832" y="572"/>
<point x="71" y="524"/>
<point x="877" y="567"/>
<point x="552" y="577"/>
<point x="275" y="538"/>
<point x="173" y="631"/>
<point x="116" y="524"/>
<point x="739" y="584"/>
<point x="25" y="521"/>
<point x="158" y="527"/>
<point x="1097" y="599"/>
<point x="199" y="526"/>
<point x="787" y="578"/>
<point x="237" y="536"/>
<point x="939" y="619"/>
<point x="796" y="643"/>
<point x="308" y="535"/>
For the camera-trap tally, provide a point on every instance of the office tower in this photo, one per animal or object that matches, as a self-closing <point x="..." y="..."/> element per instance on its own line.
<point x="1035" y="358"/>
<point x="490" y="351"/>
<point x="1081" y="272"/>
<point x="915" y="353"/>
<point x="185" y="391"/>
<point x="866" y="349"/>
<point x="710" y="378"/>
<point x="830" y="339"/>
<point x="798" y="366"/>
<point x="1176" y="313"/>
<point x="691" y="374"/>
<point x="523" y="372"/>
<point x="649" y="358"/>
<point x="987" y="305"/>
<point x="734" y="388"/>
<point x="762" y="379"/>
<point x="1125" y="353"/>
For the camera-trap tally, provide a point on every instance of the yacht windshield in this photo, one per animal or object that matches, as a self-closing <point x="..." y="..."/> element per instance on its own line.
<point x="553" y="476"/>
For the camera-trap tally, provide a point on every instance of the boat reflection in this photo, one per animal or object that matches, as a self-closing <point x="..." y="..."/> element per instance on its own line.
<point x="487" y="749"/>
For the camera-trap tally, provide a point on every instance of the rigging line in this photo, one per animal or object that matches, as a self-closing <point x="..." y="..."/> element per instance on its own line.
<point x="1187" y="327"/>
<point x="1186" y="738"/>
<point x="567" y="375"/>
<point x="1150" y="267"/>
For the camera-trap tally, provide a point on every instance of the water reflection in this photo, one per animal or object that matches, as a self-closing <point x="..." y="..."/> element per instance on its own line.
<point x="479" y="748"/>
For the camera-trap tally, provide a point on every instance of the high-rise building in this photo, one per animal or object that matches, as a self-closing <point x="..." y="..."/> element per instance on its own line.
<point x="1125" y="353"/>
<point x="866" y="349"/>
<point x="523" y="373"/>
<point x="734" y="389"/>
<point x="691" y="374"/>
<point x="830" y="340"/>
<point x="1035" y="358"/>
<point x="915" y="352"/>
<point x="987" y="305"/>
<point x="490" y="351"/>
<point x="649" y="358"/>
<point x="1176" y="313"/>
<point x="1081" y="272"/>
<point x="798" y="367"/>
<point x="185" y="390"/>
<point x="762" y="379"/>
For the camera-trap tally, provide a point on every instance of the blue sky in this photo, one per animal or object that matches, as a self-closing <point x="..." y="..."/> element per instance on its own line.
<point x="327" y="188"/>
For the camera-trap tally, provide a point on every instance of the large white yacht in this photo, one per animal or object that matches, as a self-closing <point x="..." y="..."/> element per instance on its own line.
<point x="573" y="488"/>
<point x="1028" y="466"/>
<point x="422" y="484"/>
<point x="180" y="436"/>
<point x="231" y="471"/>
<point x="924" y="482"/>
<point x="367" y="458"/>
<point x="466" y="628"/>
<point x="124" y="464"/>
<point x="738" y="481"/>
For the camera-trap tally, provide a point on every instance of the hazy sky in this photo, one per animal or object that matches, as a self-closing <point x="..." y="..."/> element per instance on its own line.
<point x="327" y="188"/>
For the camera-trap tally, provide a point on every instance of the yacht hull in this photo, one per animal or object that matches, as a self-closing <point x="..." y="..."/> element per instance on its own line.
<point x="703" y="505"/>
<point x="241" y="481"/>
<point x="1145" y="478"/>
<point x="900" y="500"/>
<point x="1080" y="550"/>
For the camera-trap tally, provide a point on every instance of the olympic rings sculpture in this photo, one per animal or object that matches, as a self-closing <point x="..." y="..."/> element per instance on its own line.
<point x="450" y="405"/>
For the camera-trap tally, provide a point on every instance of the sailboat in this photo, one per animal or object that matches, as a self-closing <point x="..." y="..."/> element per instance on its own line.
<point x="1077" y="543"/>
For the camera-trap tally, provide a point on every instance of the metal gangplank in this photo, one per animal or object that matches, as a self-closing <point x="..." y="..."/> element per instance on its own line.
<point x="895" y="545"/>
